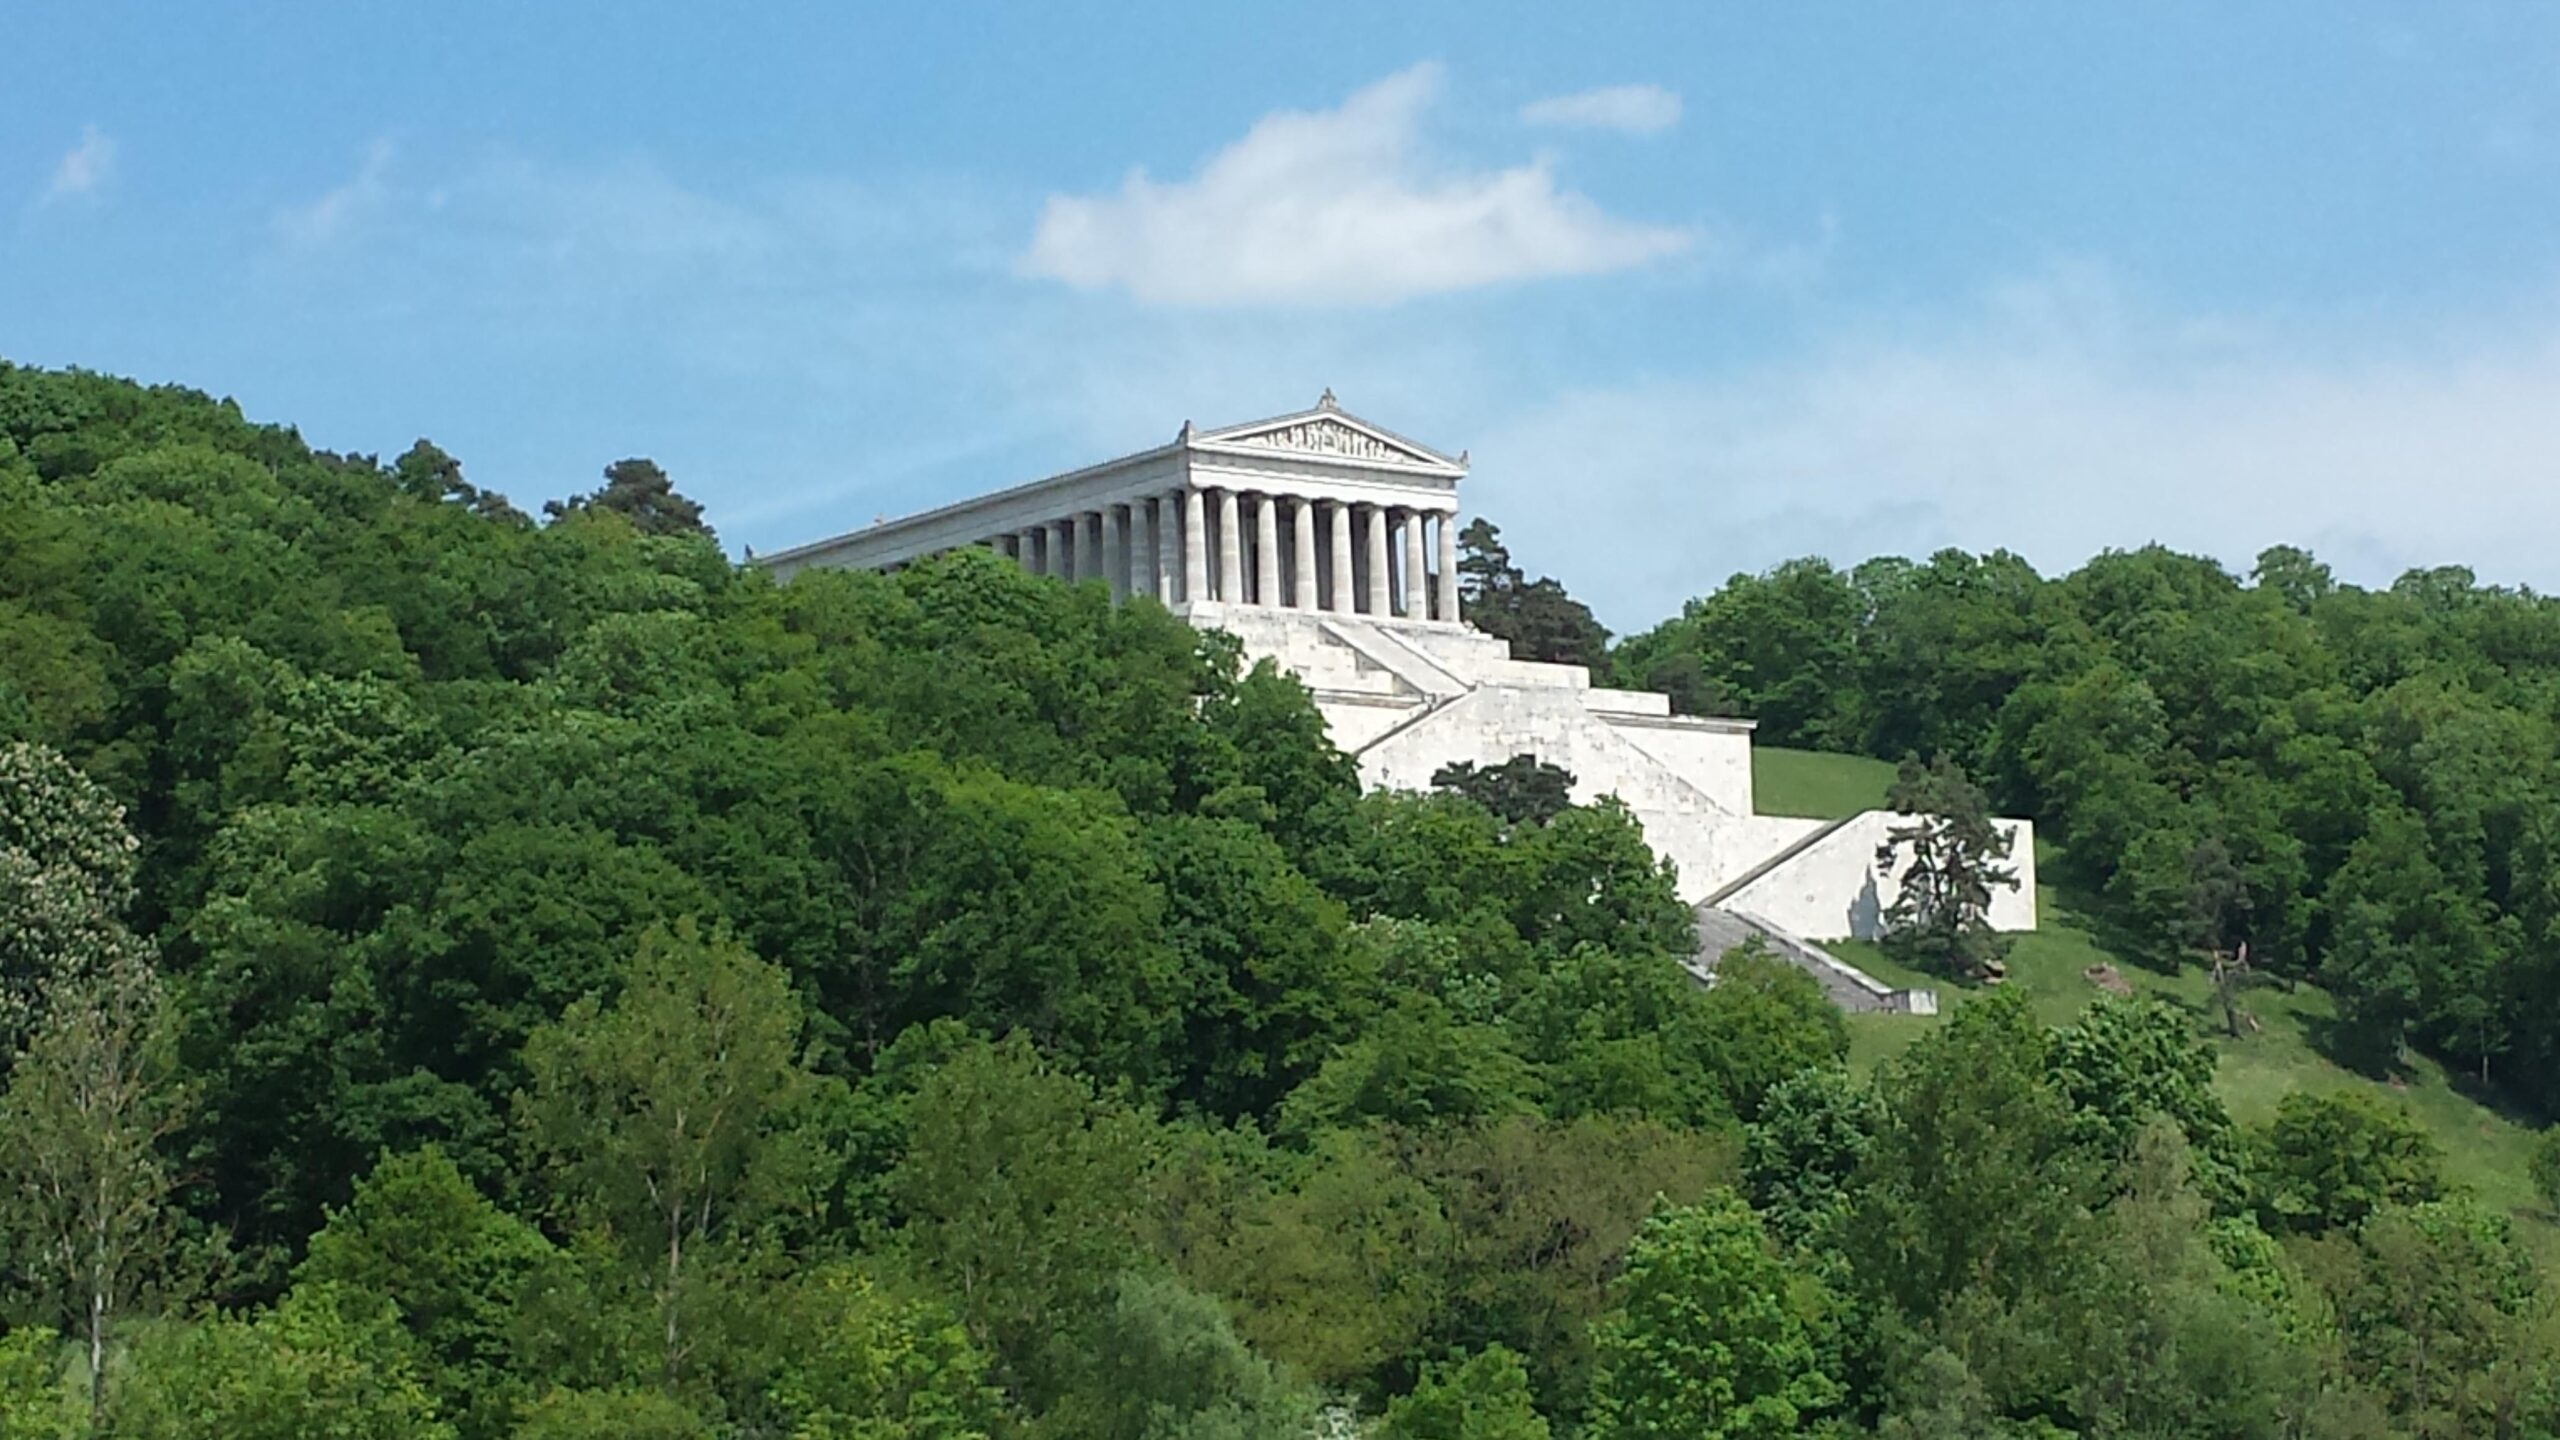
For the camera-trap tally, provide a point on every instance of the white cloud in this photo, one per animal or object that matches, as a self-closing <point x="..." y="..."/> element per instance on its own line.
<point x="2055" y="420"/>
<point x="340" y="209"/>
<point x="1629" y="109"/>
<point x="1334" y="207"/>
<point x="84" y="167"/>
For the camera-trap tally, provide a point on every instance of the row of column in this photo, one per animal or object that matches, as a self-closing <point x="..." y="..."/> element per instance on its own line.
<point x="1250" y="548"/>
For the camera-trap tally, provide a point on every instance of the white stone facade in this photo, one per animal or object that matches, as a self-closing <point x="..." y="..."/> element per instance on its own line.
<point x="1329" y="545"/>
<point x="1316" y="512"/>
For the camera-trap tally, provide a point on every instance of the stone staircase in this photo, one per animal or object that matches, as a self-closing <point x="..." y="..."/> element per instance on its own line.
<point x="1384" y="651"/>
<point x="1849" y="987"/>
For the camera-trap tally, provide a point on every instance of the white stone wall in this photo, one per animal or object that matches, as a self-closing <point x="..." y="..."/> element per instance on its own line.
<point x="1715" y="758"/>
<point x="1354" y="720"/>
<point x="1833" y="888"/>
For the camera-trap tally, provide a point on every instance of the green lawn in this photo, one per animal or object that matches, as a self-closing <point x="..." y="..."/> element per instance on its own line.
<point x="2484" y="1149"/>
<point x="1815" y="785"/>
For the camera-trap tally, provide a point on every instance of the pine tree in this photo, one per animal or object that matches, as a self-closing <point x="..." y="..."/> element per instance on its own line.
<point x="1941" y="917"/>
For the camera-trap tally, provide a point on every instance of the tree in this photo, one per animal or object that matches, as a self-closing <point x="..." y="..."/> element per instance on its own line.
<point x="1016" y="1190"/>
<point x="2544" y="1167"/>
<point x="88" y="1105"/>
<point x="320" y="1363"/>
<point x="1587" y="877"/>
<point x="1976" y="1184"/>
<point x="1268" y="979"/>
<point x="1523" y="790"/>
<point x="1802" y="1154"/>
<point x="1337" y="1270"/>
<point x="1165" y="1364"/>
<point x="1540" y="620"/>
<point x="35" y="1403"/>
<point x="2291" y="572"/>
<point x="666" y="1113"/>
<point x="2439" y="1304"/>
<point x="66" y="879"/>
<point x="418" y="1236"/>
<point x="1539" y="1215"/>
<point x="861" y="1363"/>
<point x="1940" y="915"/>
<point x="1417" y="1064"/>
<point x="2125" y="1063"/>
<point x="2327" y="1161"/>
<point x="1484" y="1396"/>
<point x="1715" y="1336"/>
<point x="641" y="493"/>
<point x="427" y="472"/>
<point x="2233" y="975"/>
<point x="1780" y="647"/>
<point x="1764" y="1021"/>
<point x="1633" y="1034"/>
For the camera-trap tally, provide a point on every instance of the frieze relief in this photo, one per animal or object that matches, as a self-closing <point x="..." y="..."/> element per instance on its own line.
<point x="1327" y="437"/>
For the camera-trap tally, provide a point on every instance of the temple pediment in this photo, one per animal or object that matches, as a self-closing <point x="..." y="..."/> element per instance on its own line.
<point x="1327" y="433"/>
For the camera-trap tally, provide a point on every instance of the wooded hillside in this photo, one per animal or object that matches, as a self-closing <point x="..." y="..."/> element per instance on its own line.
<point x="476" y="977"/>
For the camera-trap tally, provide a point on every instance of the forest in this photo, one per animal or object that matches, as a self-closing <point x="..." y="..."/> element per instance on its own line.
<point x="469" y="975"/>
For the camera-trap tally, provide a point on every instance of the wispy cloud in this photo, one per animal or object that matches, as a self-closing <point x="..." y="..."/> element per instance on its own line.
<point x="85" y="168"/>
<point x="335" y="212"/>
<point x="1628" y="109"/>
<point x="2057" y="418"/>
<point x="1335" y="207"/>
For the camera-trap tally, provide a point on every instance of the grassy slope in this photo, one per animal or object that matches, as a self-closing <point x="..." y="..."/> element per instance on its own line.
<point x="2483" y="1148"/>
<point x="1814" y="785"/>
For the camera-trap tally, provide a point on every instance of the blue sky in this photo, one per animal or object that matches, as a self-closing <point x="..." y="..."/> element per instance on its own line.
<point x="1700" y="288"/>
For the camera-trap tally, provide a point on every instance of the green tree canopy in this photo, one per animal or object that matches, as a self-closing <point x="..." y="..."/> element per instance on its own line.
<point x="1715" y="1338"/>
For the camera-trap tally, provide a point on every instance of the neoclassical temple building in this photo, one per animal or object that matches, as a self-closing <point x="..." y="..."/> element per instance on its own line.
<point x="1329" y="545"/>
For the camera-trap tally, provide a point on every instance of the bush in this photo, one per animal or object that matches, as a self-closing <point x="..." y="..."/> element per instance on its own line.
<point x="2544" y="1167"/>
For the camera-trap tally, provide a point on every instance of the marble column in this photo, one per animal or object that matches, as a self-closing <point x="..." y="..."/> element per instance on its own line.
<point x="1115" y="550"/>
<point x="1417" y="601"/>
<point x="1195" y="546"/>
<point x="1266" y="550"/>
<point x="1377" y="587"/>
<point x="1340" y="575"/>
<point x="1089" y="546"/>
<point x="1302" y="554"/>
<point x="1146" y="562"/>
<point x="1448" y="568"/>
<point x="1230" y="549"/>
<point x="1062" y="542"/>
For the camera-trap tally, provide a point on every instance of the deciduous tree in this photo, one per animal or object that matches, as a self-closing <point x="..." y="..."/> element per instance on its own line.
<point x="1484" y="1396"/>
<point x="666" y="1113"/>
<point x="2328" y="1160"/>
<point x="1523" y="790"/>
<point x="1716" y="1336"/>
<point x="89" y="1105"/>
